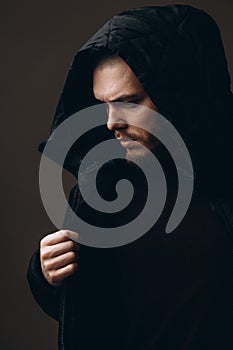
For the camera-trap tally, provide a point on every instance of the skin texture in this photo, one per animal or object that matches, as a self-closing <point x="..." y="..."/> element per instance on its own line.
<point x="58" y="252"/>
<point x="108" y="88"/>
<point x="58" y="256"/>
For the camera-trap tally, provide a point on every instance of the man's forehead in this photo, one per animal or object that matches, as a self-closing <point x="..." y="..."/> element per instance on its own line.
<point x="115" y="82"/>
<point x="106" y="59"/>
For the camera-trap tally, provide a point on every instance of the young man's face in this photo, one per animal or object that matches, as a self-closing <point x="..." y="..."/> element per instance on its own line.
<point x="117" y="83"/>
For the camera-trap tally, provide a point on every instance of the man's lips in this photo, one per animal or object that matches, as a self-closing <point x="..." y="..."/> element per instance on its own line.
<point x="127" y="143"/>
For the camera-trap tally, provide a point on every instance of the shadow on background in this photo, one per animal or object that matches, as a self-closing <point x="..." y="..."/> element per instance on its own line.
<point x="39" y="41"/>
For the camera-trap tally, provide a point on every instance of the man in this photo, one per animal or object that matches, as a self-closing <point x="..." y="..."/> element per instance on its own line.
<point x="160" y="291"/>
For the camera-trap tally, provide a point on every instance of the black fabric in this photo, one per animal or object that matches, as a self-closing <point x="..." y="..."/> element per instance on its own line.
<point x="162" y="291"/>
<point x="158" y="292"/>
<point x="177" y="54"/>
<point x="47" y="297"/>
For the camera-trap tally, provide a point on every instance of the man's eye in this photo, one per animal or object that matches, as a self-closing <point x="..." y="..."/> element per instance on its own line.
<point x="132" y="104"/>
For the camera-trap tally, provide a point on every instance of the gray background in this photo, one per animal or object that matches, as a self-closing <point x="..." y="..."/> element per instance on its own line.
<point x="38" y="42"/>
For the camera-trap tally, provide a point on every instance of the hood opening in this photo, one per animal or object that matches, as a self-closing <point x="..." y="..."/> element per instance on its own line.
<point x="177" y="54"/>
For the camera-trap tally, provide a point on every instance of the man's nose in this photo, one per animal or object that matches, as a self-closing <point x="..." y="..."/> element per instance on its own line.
<point x="115" y="118"/>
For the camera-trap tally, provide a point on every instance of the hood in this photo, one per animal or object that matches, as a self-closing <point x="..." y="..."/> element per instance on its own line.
<point x="177" y="54"/>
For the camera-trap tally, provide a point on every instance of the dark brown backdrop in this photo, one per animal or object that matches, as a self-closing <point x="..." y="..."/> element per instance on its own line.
<point x="39" y="41"/>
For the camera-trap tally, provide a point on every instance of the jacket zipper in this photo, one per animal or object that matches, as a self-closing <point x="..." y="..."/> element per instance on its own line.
<point x="61" y="331"/>
<point x="61" y="345"/>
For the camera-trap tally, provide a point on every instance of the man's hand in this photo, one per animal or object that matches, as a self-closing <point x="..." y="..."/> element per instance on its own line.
<point x="58" y="256"/>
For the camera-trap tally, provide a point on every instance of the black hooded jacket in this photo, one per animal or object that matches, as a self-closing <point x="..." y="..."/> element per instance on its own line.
<point x="160" y="292"/>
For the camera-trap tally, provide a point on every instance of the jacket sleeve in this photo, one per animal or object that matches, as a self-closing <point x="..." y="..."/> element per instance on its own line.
<point x="47" y="296"/>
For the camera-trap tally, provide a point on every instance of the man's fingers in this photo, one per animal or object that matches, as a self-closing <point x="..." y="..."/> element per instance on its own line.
<point x="59" y="261"/>
<point x="58" y="255"/>
<point x="71" y="235"/>
<point x="48" y="252"/>
<point x="56" y="277"/>
<point x="56" y="237"/>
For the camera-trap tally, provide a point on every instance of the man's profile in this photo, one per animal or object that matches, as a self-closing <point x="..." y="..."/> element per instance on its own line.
<point x="161" y="291"/>
<point x="108" y="88"/>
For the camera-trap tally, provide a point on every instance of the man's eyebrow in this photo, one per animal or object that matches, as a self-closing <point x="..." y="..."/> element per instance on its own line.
<point x="125" y="97"/>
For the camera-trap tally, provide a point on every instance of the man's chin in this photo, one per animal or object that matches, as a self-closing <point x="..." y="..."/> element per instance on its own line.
<point x="137" y="156"/>
<point x="142" y="155"/>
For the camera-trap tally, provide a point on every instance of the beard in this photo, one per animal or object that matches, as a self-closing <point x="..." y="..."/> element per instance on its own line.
<point x="140" y="156"/>
<point x="136" y="156"/>
<point x="140" y="153"/>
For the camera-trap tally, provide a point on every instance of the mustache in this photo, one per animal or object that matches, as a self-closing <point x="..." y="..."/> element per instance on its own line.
<point x="131" y="136"/>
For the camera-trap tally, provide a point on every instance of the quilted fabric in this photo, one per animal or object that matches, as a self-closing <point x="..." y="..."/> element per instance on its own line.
<point x="163" y="291"/>
<point x="177" y="54"/>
